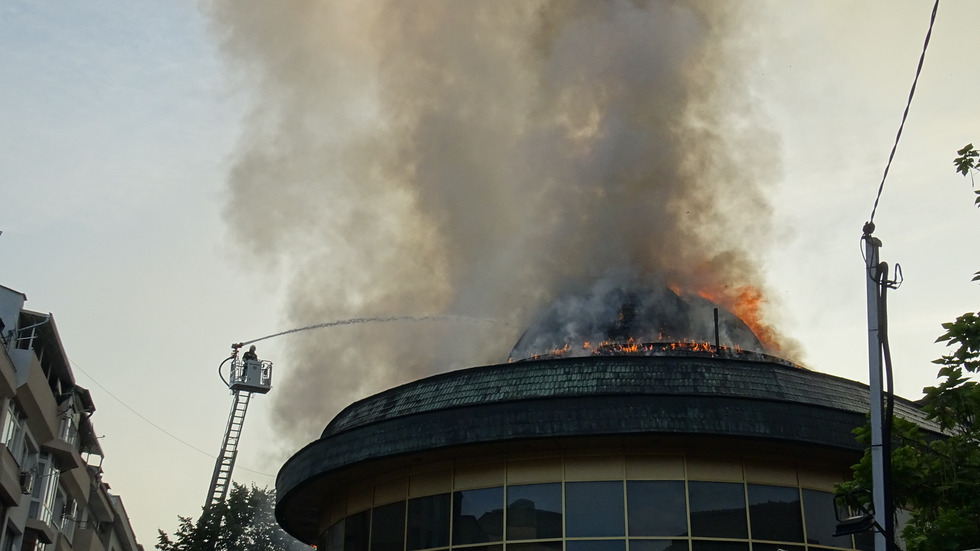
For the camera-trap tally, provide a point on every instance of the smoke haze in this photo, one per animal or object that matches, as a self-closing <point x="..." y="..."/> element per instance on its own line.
<point x="479" y="159"/>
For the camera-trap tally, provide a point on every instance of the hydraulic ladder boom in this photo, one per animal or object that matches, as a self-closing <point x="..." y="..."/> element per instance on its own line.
<point x="246" y="377"/>
<point x="221" y="479"/>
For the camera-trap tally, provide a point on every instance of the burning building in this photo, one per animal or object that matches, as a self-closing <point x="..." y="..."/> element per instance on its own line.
<point x="651" y="432"/>
<point x="481" y="159"/>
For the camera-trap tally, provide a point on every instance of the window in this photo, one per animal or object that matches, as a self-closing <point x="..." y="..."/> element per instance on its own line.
<point x="534" y="511"/>
<point x="658" y="545"/>
<point x="595" y="545"/>
<point x="719" y="546"/>
<point x="605" y="515"/>
<point x="656" y="508"/>
<point x="10" y="538"/>
<point x="775" y="513"/>
<point x="335" y="537"/>
<point x="16" y="438"/>
<point x="717" y="510"/>
<point x="865" y="541"/>
<point x="64" y="514"/>
<point x="356" y="531"/>
<point x="59" y="505"/>
<point x="13" y="430"/>
<point x="537" y="546"/>
<point x="821" y="519"/>
<point x="594" y="509"/>
<point x="428" y="522"/>
<point x="27" y="457"/>
<point x="70" y="520"/>
<point x="776" y="547"/>
<point x="388" y="527"/>
<point x="67" y="430"/>
<point x="478" y="516"/>
<point x="45" y="489"/>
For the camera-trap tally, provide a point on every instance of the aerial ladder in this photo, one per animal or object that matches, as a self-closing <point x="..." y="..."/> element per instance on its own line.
<point x="245" y="377"/>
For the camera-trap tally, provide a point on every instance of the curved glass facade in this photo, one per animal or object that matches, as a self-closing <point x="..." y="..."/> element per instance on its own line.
<point x="593" y="504"/>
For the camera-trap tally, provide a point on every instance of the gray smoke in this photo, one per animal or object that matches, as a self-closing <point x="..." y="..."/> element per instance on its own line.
<point x="479" y="159"/>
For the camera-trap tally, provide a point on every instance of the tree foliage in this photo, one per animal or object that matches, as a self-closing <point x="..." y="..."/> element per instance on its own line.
<point x="968" y="162"/>
<point x="937" y="479"/>
<point x="243" y="522"/>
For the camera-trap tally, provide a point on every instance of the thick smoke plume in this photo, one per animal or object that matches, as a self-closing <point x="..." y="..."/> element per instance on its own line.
<point x="479" y="159"/>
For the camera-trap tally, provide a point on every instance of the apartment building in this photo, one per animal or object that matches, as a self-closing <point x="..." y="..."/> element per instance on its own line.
<point x="52" y="497"/>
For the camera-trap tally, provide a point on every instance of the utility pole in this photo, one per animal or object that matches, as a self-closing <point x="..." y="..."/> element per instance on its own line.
<point x="871" y="247"/>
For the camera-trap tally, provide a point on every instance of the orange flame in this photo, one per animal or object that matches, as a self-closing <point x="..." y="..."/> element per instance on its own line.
<point x="747" y="304"/>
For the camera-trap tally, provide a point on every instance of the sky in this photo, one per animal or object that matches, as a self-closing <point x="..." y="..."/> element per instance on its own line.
<point x="120" y="124"/>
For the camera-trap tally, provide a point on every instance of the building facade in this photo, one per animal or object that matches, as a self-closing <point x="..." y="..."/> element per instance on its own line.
<point x="52" y="496"/>
<point x="672" y="449"/>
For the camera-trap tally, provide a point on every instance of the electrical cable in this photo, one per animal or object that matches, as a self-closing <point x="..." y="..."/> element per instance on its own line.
<point x="888" y="416"/>
<point x="905" y="115"/>
<point x="154" y="425"/>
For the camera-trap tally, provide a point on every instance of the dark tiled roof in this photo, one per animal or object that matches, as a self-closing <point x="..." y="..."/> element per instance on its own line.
<point x="693" y="375"/>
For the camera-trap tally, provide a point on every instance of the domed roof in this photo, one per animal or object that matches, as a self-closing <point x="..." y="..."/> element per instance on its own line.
<point x="582" y="324"/>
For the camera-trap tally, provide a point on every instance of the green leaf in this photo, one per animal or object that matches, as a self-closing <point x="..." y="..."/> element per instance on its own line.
<point x="967" y="159"/>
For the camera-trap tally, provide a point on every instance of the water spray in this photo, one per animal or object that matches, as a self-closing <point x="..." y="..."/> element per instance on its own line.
<point x="358" y="321"/>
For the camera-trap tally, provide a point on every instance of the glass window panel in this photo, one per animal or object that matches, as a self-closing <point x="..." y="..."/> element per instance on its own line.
<point x="717" y="509"/>
<point x="356" y="531"/>
<point x="595" y="545"/>
<point x="656" y="508"/>
<point x="865" y="541"/>
<point x="388" y="527"/>
<point x="697" y="545"/>
<point x="428" y="522"/>
<point x="478" y="516"/>
<point x="335" y="537"/>
<point x="594" y="509"/>
<point x="658" y="545"/>
<point x="534" y="511"/>
<point x="821" y="519"/>
<point x="776" y="547"/>
<point x="536" y="546"/>
<point x="775" y="514"/>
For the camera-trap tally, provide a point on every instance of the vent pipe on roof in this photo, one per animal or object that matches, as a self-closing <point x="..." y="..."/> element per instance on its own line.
<point x="717" y="337"/>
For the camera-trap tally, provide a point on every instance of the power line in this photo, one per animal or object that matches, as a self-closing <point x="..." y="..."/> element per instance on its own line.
<point x="151" y="423"/>
<point x="905" y="115"/>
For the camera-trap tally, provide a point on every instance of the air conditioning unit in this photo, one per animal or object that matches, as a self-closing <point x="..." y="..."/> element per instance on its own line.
<point x="26" y="482"/>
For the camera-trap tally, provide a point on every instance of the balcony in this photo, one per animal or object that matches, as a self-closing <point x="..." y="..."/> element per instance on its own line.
<point x="64" y="448"/>
<point x="99" y="505"/>
<point x="44" y="531"/>
<point x="38" y="402"/>
<point x="87" y="539"/>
